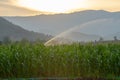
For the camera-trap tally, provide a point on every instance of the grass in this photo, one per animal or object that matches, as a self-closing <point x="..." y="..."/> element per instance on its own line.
<point x="89" y="60"/>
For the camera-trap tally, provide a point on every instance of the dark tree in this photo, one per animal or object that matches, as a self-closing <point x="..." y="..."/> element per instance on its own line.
<point x="6" y="40"/>
<point x="0" y="42"/>
<point x="101" y="39"/>
<point x="115" y="38"/>
<point x="24" y="40"/>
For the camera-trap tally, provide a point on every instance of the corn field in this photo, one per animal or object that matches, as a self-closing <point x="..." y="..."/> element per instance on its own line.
<point x="77" y="60"/>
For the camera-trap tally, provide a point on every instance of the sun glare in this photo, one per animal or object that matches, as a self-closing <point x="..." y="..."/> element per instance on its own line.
<point x="54" y="6"/>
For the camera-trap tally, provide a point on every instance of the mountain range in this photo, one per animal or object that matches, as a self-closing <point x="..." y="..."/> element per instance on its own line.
<point x="16" y="33"/>
<point x="84" y="25"/>
<point x="56" y="24"/>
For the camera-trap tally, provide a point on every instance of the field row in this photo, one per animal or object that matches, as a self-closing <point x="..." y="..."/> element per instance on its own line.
<point x="76" y="60"/>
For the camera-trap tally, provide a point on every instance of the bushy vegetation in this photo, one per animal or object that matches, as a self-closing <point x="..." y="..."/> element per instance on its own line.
<point x="28" y="60"/>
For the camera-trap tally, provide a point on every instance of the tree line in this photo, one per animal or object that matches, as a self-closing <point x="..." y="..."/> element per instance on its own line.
<point x="8" y="40"/>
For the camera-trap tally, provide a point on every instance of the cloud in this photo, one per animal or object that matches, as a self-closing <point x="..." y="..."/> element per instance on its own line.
<point x="5" y="1"/>
<point x="8" y="7"/>
<point x="11" y="10"/>
<point x="109" y="5"/>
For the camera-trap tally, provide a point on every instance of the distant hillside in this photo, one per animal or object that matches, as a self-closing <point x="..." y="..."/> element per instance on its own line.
<point x="16" y="33"/>
<point x="55" y="24"/>
<point x="77" y="36"/>
<point x="101" y="27"/>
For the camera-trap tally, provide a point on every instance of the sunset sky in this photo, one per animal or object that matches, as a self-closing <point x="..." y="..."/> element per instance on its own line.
<point x="34" y="7"/>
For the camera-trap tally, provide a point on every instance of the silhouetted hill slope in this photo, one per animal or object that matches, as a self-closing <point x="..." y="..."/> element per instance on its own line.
<point x="16" y="33"/>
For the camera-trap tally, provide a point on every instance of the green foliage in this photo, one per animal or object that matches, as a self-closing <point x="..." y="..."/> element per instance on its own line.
<point x="36" y="60"/>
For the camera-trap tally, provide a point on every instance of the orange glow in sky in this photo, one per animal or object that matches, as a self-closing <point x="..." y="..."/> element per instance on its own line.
<point x="54" y="6"/>
<point x="34" y="7"/>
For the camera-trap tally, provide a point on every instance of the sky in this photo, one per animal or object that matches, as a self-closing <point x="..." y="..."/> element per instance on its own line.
<point x="35" y="7"/>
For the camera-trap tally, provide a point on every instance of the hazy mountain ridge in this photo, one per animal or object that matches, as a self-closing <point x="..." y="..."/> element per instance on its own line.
<point x="55" y="24"/>
<point x="16" y="33"/>
<point x="91" y="25"/>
